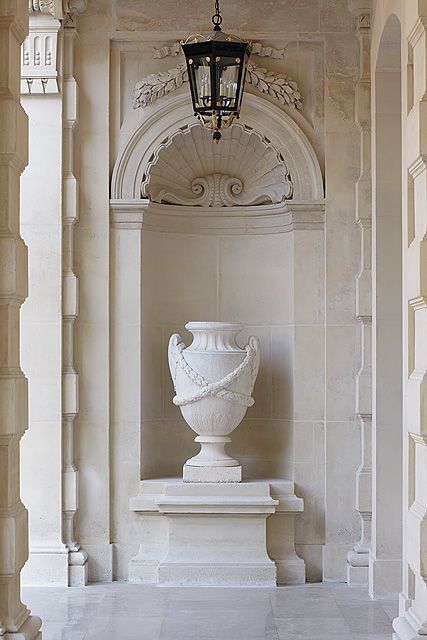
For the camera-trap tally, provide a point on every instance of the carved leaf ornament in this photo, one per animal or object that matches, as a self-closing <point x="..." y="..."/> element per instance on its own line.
<point x="278" y="86"/>
<point x="156" y="85"/>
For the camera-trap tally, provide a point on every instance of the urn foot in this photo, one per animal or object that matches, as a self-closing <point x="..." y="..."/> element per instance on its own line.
<point x="212" y="453"/>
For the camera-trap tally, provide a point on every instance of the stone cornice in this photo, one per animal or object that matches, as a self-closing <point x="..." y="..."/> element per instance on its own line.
<point x="281" y="218"/>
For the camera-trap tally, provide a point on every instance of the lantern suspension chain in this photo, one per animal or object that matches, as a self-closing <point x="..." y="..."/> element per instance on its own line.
<point x="217" y="17"/>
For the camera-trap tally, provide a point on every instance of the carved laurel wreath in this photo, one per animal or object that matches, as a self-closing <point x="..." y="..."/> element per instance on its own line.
<point x="44" y="6"/>
<point x="280" y="87"/>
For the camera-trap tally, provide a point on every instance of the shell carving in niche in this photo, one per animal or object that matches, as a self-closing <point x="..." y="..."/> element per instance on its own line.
<point x="243" y="170"/>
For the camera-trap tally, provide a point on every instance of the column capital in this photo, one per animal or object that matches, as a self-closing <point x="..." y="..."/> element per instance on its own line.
<point x="39" y="73"/>
<point x="56" y="8"/>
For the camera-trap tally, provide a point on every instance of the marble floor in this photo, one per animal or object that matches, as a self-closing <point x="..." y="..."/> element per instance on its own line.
<point x="121" y="611"/>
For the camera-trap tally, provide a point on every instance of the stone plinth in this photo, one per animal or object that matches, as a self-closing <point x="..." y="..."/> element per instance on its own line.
<point x="212" y="474"/>
<point x="210" y="534"/>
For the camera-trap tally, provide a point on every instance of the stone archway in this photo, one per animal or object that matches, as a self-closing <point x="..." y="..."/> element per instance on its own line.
<point x="269" y="121"/>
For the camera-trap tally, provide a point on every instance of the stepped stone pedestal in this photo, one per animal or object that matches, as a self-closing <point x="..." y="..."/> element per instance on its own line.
<point x="216" y="534"/>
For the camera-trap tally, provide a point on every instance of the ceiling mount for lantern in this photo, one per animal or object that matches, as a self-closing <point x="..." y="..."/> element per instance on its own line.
<point x="216" y="64"/>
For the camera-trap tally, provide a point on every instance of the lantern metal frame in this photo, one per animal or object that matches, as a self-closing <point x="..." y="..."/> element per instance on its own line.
<point x="216" y="52"/>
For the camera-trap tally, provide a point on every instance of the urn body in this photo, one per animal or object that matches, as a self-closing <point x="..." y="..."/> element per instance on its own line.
<point x="213" y="379"/>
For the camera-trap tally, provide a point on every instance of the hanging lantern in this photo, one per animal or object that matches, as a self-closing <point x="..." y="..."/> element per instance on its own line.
<point x="216" y="64"/>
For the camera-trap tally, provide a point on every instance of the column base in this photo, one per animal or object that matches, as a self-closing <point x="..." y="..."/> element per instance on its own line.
<point x="46" y="566"/>
<point x="77" y="568"/>
<point x="290" y="571"/>
<point x="404" y="629"/>
<point x="357" y="568"/>
<point x="385" y="577"/>
<point x="30" y="630"/>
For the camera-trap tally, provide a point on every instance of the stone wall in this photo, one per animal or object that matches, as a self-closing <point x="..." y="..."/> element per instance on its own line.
<point x="135" y="289"/>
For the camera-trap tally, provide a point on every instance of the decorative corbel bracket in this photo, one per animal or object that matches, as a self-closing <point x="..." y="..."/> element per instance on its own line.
<point x="39" y="72"/>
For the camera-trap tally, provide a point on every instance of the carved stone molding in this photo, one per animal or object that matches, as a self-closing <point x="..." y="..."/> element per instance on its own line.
<point x="258" y="49"/>
<point x="39" y="74"/>
<point x="162" y="120"/>
<point x="39" y="70"/>
<point x="245" y="170"/>
<point x="156" y="85"/>
<point x="284" y="217"/>
<point x="278" y="86"/>
<point x="56" y="8"/>
<point x="49" y="7"/>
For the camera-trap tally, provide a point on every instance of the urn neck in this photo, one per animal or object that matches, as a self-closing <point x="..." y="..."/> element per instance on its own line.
<point x="214" y="336"/>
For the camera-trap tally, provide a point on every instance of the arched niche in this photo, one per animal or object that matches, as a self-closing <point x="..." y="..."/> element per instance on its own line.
<point x="173" y="262"/>
<point x="162" y="122"/>
<point x="259" y="262"/>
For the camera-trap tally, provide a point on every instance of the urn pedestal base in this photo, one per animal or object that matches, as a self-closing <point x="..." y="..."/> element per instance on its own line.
<point x="216" y="534"/>
<point x="212" y="474"/>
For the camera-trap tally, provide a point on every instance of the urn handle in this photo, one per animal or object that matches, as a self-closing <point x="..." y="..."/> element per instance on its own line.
<point x="255" y="360"/>
<point x="175" y="345"/>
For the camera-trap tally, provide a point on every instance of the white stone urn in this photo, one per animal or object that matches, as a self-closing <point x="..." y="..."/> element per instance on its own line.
<point x="213" y="379"/>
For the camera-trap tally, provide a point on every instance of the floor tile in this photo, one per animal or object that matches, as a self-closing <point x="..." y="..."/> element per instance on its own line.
<point x="137" y="612"/>
<point x="366" y="618"/>
<point x="295" y="628"/>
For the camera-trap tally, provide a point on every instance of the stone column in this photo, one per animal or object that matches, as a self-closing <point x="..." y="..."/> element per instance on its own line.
<point x="358" y="558"/>
<point x="49" y="214"/>
<point x="15" y="619"/>
<point x="41" y="314"/>
<point x="92" y="253"/>
<point x="412" y="621"/>
<point x="77" y="558"/>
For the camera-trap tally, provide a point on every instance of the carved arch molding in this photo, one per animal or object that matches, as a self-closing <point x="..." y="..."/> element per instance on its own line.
<point x="169" y="159"/>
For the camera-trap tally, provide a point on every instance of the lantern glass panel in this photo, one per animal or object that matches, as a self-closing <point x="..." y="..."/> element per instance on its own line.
<point x="227" y="76"/>
<point x="202" y="78"/>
